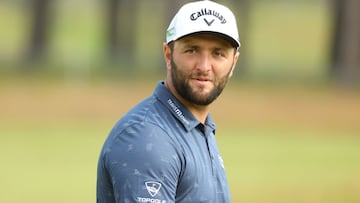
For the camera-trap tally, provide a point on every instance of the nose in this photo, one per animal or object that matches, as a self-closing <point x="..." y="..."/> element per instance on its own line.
<point x="204" y="62"/>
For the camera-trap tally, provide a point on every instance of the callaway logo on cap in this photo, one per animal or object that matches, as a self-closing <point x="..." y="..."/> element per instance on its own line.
<point x="203" y="16"/>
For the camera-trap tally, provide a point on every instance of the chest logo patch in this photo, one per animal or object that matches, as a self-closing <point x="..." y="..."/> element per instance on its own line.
<point x="152" y="187"/>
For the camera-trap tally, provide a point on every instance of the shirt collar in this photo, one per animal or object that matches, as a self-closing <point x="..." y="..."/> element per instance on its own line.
<point x="178" y="109"/>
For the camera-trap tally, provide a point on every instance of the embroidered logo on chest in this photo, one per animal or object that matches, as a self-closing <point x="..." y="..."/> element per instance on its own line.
<point x="152" y="187"/>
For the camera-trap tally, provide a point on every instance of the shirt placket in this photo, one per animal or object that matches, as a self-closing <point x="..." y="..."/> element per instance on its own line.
<point x="208" y="137"/>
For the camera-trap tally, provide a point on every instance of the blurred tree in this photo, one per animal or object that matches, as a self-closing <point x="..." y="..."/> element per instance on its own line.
<point x="346" y="42"/>
<point x="171" y="8"/>
<point x="242" y="11"/>
<point x="113" y="11"/>
<point x="122" y="19"/>
<point x="39" y="29"/>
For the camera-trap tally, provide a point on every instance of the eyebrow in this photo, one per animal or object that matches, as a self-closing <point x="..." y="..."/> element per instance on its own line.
<point x="187" y="45"/>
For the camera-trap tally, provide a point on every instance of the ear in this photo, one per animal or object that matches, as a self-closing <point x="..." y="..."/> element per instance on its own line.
<point x="167" y="55"/>
<point x="236" y="58"/>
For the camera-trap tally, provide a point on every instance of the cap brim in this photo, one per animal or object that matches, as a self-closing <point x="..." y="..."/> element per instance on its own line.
<point x="231" y="40"/>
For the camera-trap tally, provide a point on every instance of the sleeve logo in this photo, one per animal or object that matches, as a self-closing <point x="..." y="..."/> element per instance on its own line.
<point x="152" y="187"/>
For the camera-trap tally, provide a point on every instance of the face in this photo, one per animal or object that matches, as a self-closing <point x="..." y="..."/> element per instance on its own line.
<point x="199" y="66"/>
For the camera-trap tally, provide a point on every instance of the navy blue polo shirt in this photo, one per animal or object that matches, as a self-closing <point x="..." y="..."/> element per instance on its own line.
<point x="160" y="153"/>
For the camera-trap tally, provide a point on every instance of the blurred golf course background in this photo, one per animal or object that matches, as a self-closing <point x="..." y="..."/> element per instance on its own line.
<point x="287" y="133"/>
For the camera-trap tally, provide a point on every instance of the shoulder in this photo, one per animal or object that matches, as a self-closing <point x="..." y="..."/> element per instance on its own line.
<point x="140" y="140"/>
<point x="142" y="147"/>
<point x="145" y="132"/>
<point x="149" y="119"/>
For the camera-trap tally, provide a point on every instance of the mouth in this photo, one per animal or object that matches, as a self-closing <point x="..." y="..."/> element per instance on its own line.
<point x="201" y="81"/>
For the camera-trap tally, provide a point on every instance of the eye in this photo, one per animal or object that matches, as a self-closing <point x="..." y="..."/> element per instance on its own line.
<point x="219" y="53"/>
<point x="190" y="51"/>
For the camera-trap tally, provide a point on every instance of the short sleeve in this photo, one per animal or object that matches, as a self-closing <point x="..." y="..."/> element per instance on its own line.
<point x="142" y="164"/>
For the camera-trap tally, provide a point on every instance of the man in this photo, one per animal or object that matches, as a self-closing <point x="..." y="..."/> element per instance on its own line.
<point x="164" y="149"/>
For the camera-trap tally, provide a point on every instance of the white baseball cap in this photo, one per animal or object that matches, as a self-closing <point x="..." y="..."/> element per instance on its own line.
<point x="203" y="16"/>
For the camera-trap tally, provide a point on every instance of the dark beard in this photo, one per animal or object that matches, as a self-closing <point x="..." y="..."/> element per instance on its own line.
<point x="181" y="85"/>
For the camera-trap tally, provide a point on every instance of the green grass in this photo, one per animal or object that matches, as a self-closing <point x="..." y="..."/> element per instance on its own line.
<point x="49" y="164"/>
<point x="292" y="166"/>
<point x="56" y="162"/>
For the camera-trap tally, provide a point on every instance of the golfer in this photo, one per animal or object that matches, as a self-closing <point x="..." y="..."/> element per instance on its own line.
<point x="164" y="149"/>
